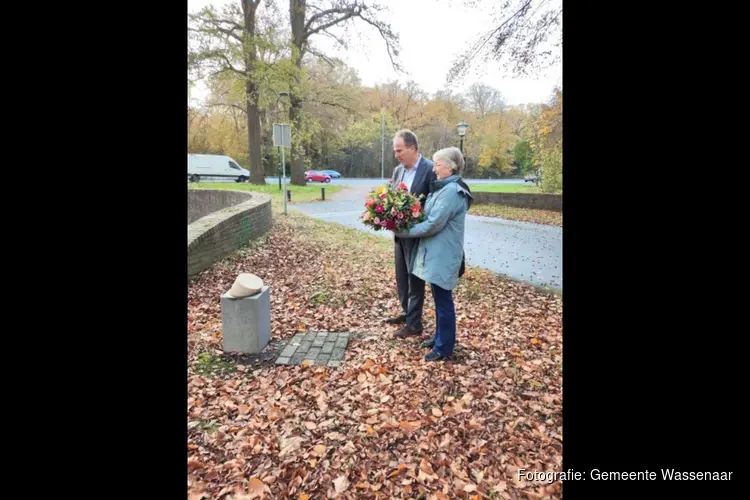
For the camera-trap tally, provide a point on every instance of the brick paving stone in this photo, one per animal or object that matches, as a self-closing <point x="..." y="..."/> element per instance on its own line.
<point x="315" y="348"/>
<point x="288" y="351"/>
<point x="312" y="353"/>
<point x="297" y="358"/>
<point x="341" y="342"/>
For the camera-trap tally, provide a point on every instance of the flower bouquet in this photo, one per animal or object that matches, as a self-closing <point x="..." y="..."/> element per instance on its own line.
<point x="392" y="208"/>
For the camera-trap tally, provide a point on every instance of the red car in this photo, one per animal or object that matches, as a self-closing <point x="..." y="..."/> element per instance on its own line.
<point x="315" y="176"/>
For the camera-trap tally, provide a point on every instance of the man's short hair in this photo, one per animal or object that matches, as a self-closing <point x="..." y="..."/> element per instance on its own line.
<point x="409" y="138"/>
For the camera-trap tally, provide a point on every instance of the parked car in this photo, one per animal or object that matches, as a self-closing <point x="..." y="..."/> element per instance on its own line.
<point x="208" y="166"/>
<point x="529" y="178"/>
<point x="332" y="173"/>
<point x="315" y="176"/>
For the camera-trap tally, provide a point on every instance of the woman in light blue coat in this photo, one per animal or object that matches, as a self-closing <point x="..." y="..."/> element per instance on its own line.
<point x="441" y="241"/>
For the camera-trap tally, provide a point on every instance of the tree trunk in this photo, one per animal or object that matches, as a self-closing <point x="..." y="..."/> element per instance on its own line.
<point x="297" y="10"/>
<point x="257" y="175"/>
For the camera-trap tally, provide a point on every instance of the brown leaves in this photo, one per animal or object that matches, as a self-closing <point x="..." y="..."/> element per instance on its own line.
<point x="384" y="424"/>
<point x="194" y="464"/>
<point x="409" y="427"/>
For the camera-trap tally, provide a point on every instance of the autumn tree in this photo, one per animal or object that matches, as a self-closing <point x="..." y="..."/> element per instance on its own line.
<point x="547" y="143"/>
<point x="225" y="45"/>
<point x="484" y="99"/>
<point x="320" y="19"/>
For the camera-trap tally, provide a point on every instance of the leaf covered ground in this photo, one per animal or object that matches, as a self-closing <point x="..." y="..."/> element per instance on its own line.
<point x="548" y="217"/>
<point x="386" y="424"/>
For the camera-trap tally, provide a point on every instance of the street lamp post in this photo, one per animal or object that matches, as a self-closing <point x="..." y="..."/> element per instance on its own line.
<point x="461" y="127"/>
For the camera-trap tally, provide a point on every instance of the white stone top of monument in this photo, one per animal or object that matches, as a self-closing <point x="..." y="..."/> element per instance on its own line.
<point x="246" y="285"/>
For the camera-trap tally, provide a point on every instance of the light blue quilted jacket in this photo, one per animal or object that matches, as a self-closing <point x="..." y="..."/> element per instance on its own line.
<point x="441" y="235"/>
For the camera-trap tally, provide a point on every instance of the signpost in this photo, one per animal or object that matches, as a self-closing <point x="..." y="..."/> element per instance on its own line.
<point x="282" y="136"/>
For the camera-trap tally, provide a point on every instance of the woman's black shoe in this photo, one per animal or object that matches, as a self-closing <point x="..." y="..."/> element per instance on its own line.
<point x="434" y="356"/>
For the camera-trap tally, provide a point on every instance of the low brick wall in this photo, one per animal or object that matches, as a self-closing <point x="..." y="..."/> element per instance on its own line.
<point x="225" y="229"/>
<point x="202" y="202"/>
<point x="521" y="200"/>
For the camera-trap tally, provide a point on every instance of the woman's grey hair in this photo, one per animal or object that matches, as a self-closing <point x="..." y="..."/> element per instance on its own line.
<point x="409" y="138"/>
<point x="452" y="157"/>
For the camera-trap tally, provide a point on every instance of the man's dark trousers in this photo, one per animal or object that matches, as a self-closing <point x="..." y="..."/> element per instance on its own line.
<point x="410" y="287"/>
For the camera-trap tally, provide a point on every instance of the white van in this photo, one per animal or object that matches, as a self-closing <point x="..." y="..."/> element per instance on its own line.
<point x="209" y="166"/>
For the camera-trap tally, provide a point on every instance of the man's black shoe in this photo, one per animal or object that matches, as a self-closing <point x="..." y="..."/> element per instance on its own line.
<point x="407" y="331"/>
<point x="429" y="343"/>
<point x="396" y="320"/>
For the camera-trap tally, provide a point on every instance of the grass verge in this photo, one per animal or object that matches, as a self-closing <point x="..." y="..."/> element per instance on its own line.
<point x="547" y="217"/>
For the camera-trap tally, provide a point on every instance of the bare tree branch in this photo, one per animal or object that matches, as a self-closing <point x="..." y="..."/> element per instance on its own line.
<point x="387" y="38"/>
<point x="322" y="56"/>
<point x="328" y="103"/>
<point x="227" y="105"/>
<point x="329" y="24"/>
<point x="322" y="14"/>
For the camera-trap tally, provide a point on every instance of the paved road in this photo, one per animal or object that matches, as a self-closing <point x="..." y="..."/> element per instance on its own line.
<point x="370" y="182"/>
<point x="522" y="250"/>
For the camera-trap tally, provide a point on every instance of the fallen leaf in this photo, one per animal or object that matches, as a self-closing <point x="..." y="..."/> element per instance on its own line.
<point x="256" y="486"/>
<point x="195" y="464"/>
<point x="289" y="445"/>
<point x="436" y="412"/>
<point x="341" y="483"/>
<point x="311" y="426"/>
<point x="446" y="441"/>
<point x="401" y="468"/>
<point x="304" y="496"/>
<point x="319" y="450"/>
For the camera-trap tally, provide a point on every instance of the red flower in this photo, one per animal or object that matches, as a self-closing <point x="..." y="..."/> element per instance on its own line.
<point x="379" y="209"/>
<point x="403" y="186"/>
<point x="383" y="196"/>
<point x="370" y="202"/>
<point x="390" y="225"/>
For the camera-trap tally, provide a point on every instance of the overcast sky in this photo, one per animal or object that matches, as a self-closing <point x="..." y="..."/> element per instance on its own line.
<point x="432" y="34"/>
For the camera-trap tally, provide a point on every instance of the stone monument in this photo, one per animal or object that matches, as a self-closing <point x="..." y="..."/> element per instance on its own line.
<point x="246" y="315"/>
